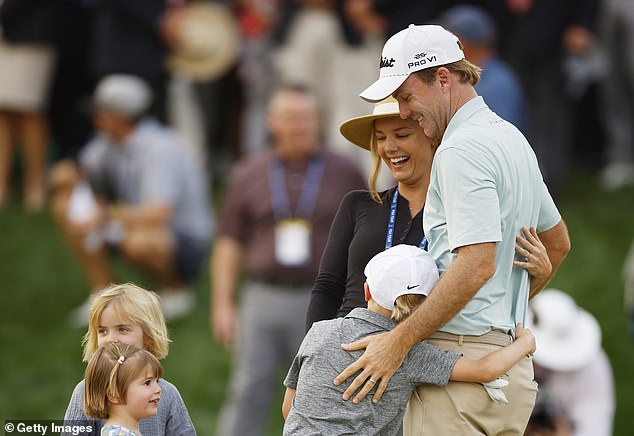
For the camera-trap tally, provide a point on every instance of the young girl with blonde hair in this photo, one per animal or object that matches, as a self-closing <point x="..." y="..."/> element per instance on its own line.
<point x="131" y="315"/>
<point x="121" y="386"/>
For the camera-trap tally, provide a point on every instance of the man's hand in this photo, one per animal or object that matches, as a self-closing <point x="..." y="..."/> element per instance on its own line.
<point x="383" y="356"/>
<point x="225" y="262"/>
<point x="224" y="325"/>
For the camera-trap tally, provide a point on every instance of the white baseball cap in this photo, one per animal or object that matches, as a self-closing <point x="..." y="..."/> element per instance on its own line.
<point x="567" y="336"/>
<point x="412" y="49"/>
<point x="124" y="94"/>
<point x="400" y="270"/>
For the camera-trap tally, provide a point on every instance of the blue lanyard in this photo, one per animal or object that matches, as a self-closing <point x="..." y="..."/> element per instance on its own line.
<point x="308" y="196"/>
<point x="390" y="225"/>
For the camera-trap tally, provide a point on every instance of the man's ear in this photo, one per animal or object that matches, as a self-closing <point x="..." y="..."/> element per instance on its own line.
<point x="366" y="290"/>
<point x="443" y="76"/>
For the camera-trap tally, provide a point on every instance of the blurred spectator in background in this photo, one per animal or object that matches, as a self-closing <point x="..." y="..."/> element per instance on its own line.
<point x="151" y="198"/>
<point x="548" y="418"/>
<point x="274" y="224"/>
<point x="628" y="278"/>
<point x="69" y="121"/>
<point x="396" y="15"/>
<point x="127" y="38"/>
<point x="28" y="48"/>
<point x="546" y="46"/>
<point x="498" y="85"/>
<point x="258" y="21"/>
<point x="203" y="46"/>
<point x="332" y="47"/>
<point x="571" y="367"/>
<point x="617" y="31"/>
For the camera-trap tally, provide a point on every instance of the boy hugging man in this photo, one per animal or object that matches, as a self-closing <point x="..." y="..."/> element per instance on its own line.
<point x="398" y="280"/>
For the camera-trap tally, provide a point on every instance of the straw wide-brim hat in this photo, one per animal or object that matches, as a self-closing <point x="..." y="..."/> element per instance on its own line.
<point x="567" y="336"/>
<point x="359" y="130"/>
<point x="208" y="44"/>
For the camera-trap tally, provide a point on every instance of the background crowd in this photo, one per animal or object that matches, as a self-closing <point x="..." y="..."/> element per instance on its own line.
<point x="563" y="72"/>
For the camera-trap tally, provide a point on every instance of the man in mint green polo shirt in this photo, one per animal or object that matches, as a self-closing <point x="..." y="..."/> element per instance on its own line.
<point x="485" y="186"/>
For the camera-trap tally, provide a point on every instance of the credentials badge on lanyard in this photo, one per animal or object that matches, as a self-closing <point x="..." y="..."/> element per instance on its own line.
<point x="292" y="242"/>
<point x="293" y="230"/>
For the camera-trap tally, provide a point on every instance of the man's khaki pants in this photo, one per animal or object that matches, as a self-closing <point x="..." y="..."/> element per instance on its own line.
<point x="465" y="408"/>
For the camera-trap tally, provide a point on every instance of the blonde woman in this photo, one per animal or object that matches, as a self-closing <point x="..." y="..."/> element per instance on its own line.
<point x="368" y="221"/>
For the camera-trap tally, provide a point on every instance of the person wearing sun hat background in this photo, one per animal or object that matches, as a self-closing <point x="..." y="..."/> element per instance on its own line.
<point x="485" y="185"/>
<point x="572" y="368"/>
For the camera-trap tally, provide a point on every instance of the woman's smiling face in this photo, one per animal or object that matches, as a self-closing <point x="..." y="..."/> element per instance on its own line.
<point x="404" y="148"/>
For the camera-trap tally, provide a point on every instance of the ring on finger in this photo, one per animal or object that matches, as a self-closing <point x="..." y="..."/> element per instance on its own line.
<point x="371" y="381"/>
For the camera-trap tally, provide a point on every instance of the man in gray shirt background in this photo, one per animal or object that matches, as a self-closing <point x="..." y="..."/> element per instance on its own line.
<point x="135" y="189"/>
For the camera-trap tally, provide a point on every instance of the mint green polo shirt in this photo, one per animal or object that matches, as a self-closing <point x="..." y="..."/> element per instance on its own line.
<point x="485" y="185"/>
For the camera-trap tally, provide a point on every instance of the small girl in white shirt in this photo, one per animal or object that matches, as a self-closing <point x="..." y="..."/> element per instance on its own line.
<point x="121" y="386"/>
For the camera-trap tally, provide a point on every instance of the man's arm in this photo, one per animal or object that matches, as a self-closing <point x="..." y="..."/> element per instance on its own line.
<point x="557" y="243"/>
<point x="146" y="215"/>
<point x="473" y="267"/>
<point x="226" y="260"/>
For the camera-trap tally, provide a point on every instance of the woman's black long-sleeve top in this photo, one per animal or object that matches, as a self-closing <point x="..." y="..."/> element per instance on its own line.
<point x="356" y="235"/>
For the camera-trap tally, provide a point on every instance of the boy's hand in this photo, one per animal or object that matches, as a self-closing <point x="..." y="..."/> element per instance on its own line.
<point x="526" y="335"/>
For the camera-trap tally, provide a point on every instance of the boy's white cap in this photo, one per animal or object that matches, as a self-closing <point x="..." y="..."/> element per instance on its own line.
<point x="402" y="269"/>
<point x="123" y="94"/>
<point x="410" y="50"/>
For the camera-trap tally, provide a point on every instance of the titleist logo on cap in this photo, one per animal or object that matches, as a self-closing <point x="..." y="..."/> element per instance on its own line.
<point x="385" y="62"/>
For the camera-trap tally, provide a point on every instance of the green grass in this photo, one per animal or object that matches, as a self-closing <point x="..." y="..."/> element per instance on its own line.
<point x="40" y="353"/>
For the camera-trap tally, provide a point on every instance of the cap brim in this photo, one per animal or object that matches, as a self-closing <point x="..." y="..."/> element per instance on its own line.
<point x="382" y="88"/>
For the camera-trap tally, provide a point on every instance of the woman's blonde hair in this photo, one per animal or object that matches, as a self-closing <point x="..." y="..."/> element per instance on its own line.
<point x="110" y="371"/>
<point x="134" y="305"/>
<point x="376" y="168"/>
<point x="405" y="305"/>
